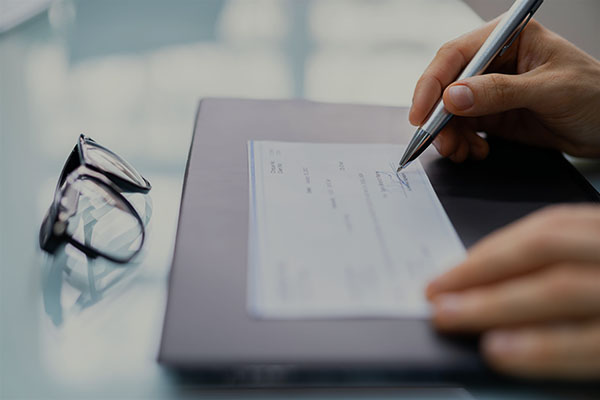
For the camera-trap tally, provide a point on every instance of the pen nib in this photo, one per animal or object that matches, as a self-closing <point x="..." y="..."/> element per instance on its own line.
<point x="417" y="144"/>
<point x="402" y="165"/>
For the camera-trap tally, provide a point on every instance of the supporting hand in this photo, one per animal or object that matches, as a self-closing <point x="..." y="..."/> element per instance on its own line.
<point x="533" y="289"/>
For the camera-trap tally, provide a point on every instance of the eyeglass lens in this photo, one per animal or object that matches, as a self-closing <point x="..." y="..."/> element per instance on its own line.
<point x="110" y="162"/>
<point x="101" y="220"/>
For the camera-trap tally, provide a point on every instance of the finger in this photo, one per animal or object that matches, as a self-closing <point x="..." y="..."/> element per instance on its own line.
<point x="452" y="141"/>
<point x="447" y="141"/>
<point x="462" y="151"/>
<point x="478" y="146"/>
<point x="567" y="351"/>
<point x="447" y="64"/>
<point x="490" y="94"/>
<point x="458" y="141"/>
<point x="551" y="236"/>
<point x="427" y="92"/>
<point x="551" y="294"/>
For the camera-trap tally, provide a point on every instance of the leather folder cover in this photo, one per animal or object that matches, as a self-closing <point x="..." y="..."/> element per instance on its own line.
<point x="207" y="327"/>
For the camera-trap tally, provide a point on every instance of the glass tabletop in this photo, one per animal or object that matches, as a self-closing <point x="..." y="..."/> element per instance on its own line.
<point x="130" y="74"/>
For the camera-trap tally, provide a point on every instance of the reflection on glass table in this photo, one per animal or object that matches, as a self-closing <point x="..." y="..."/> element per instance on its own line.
<point x="72" y="280"/>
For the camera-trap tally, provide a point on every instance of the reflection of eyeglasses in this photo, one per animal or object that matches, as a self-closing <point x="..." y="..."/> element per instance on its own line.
<point x="89" y="210"/>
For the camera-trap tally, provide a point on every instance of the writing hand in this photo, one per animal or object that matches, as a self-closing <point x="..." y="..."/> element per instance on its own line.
<point x="543" y="91"/>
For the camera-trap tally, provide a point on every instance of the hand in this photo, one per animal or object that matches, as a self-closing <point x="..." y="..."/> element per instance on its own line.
<point x="533" y="289"/>
<point x="544" y="91"/>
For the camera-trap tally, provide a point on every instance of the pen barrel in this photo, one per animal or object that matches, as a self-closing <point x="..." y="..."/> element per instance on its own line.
<point x="437" y="120"/>
<point x="508" y="26"/>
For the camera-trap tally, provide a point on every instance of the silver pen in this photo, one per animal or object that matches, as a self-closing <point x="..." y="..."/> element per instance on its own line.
<point x="503" y="35"/>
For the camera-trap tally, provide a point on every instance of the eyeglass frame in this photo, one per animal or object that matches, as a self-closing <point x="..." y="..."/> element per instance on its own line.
<point x="53" y="231"/>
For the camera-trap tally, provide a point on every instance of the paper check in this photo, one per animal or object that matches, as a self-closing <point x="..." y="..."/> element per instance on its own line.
<point x="336" y="232"/>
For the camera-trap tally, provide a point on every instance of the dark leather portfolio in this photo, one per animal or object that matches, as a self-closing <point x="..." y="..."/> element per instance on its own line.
<point x="207" y="327"/>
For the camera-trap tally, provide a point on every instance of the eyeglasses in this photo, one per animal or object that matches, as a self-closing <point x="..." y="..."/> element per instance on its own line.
<point x="89" y="210"/>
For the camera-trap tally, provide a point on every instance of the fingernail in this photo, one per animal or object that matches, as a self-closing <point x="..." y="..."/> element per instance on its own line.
<point x="438" y="283"/>
<point x="448" y="305"/>
<point x="461" y="97"/>
<point x="410" y="114"/>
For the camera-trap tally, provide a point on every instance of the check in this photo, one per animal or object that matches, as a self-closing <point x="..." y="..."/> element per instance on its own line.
<point x="336" y="232"/>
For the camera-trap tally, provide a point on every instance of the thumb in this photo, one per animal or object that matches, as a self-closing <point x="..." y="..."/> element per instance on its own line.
<point x="487" y="94"/>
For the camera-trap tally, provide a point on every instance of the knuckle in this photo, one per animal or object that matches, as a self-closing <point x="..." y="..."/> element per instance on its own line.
<point x="534" y="25"/>
<point x="427" y="78"/>
<point x="541" y="351"/>
<point x="542" y="234"/>
<point x="563" y="81"/>
<point x="425" y="86"/>
<point x="499" y="89"/>
<point x="448" y="47"/>
<point x="570" y="78"/>
<point x="553" y="217"/>
<point x="451" y="50"/>
<point x="562" y="284"/>
<point x="539" y="242"/>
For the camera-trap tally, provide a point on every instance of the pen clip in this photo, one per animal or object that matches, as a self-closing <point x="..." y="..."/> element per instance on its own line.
<point x="521" y="27"/>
